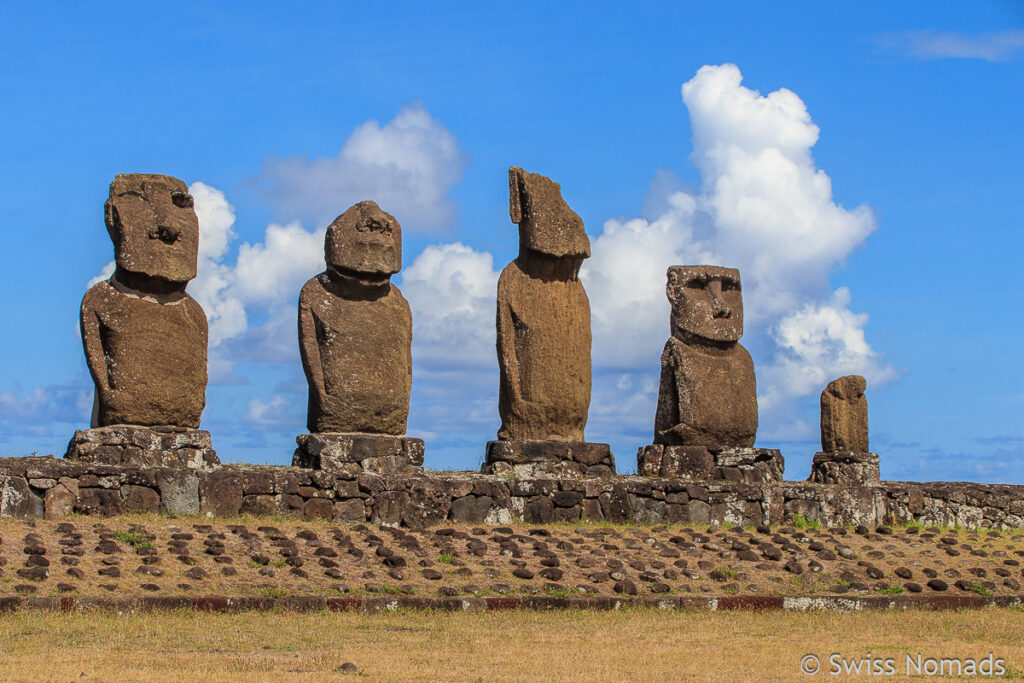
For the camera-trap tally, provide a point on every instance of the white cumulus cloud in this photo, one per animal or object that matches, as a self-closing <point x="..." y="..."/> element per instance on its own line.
<point x="452" y="290"/>
<point x="407" y="166"/>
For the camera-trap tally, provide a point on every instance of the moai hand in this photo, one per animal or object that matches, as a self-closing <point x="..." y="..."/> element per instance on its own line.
<point x="355" y="328"/>
<point x="707" y="395"/>
<point x="144" y="337"/>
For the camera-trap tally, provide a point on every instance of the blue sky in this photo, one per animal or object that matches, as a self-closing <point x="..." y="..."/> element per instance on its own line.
<point x="860" y="162"/>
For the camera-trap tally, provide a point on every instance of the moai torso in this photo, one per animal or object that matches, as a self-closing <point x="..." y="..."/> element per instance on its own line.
<point x="543" y="318"/>
<point x="355" y="329"/>
<point x="707" y="395"/>
<point x="544" y="343"/>
<point x="363" y="349"/>
<point x="153" y="366"/>
<point x="144" y="337"/>
<point x="844" y="416"/>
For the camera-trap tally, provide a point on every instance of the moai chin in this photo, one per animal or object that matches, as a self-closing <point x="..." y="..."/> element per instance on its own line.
<point x="543" y="338"/>
<point x="706" y="420"/>
<point x="144" y="337"/>
<point x="355" y="338"/>
<point x="844" y="458"/>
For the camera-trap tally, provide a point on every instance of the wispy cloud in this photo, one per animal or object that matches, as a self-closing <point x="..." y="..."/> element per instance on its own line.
<point x="993" y="46"/>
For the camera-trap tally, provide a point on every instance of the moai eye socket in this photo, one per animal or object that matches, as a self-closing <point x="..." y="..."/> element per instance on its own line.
<point x="182" y="200"/>
<point x="696" y="283"/>
<point x="372" y="225"/>
<point x="730" y="285"/>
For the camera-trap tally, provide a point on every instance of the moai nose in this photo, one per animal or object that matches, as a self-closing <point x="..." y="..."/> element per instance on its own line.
<point x="167" y="234"/>
<point x="718" y="305"/>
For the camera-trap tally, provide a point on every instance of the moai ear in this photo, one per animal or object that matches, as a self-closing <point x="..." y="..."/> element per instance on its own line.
<point x="110" y="218"/>
<point x="514" y="178"/>
<point x="672" y="286"/>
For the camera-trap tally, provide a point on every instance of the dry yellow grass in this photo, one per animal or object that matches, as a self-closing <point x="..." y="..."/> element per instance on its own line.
<point x="510" y="646"/>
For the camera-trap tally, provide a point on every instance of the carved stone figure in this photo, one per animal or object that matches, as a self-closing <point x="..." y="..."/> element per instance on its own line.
<point x="144" y="336"/>
<point x="708" y="393"/>
<point x="706" y="419"/>
<point x="543" y="318"/>
<point x="844" y="458"/>
<point x="844" y="415"/>
<point x="543" y="339"/>
<point x="355" y="337"/>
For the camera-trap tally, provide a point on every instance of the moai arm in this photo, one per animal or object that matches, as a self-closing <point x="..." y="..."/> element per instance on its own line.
<point x="509" y="359"/>
<point x="309" y="348"/>
<point x="674" y="416"/>
<point x="89" y="323"/>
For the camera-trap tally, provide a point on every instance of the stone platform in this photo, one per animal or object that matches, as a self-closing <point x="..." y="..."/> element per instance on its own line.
<point x="569" y="459"/>
<point x="31" y="487"/>
<point x="133" y="446"/>
<point x="845" y="469"/>
<point x="700" y="463"/>
<point x="355" y="453"/>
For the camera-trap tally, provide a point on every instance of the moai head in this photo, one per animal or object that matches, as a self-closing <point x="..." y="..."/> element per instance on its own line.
<point x="153" y="225"/>
<point x="848" y="388"/>
<point x="546" y="223"/>
<point x="364" y="241"/>
<point x="706" y="302"/>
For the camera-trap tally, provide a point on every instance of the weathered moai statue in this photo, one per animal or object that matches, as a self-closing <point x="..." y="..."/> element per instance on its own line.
<point x="543" y="341"/>
<point x="144" y="336"/>
<point x="706" y="419"/>
<point x="844" y="457"/>
<point x="355" y="337"/>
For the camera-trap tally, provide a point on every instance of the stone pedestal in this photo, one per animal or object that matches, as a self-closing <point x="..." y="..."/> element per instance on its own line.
<point x="565" y="459"/>
<point x="133" y="446"/>
<point x="702" y="463"/>
<point x="353" y="453"/>
<point x="845" y="469"/>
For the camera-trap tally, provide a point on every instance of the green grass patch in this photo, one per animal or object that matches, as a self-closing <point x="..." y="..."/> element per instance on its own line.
<point x="801" y="522"/>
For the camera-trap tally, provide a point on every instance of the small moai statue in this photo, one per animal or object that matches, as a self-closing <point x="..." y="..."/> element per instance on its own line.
<point x="845" y="458"/>
<point x="543" y="341"/>
<point x="355" y="338"/>
<point x="706" y="419"/>
<point x="144" y="337"/>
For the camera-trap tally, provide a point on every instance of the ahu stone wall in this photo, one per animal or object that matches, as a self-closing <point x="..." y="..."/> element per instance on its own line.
<point x="35" y="487"/>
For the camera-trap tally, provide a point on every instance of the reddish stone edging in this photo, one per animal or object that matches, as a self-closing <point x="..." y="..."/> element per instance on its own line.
<point x="371" y="605"/>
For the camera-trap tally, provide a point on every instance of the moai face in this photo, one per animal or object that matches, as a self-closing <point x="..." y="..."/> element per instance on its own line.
<point x="706" y="301"/>
<point x="546" y="223"/>
<point x="366" y="241"/>
<point x="152" y="222"/>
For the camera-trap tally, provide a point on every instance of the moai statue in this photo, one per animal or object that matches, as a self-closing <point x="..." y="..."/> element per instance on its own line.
<point x="543" y="341"/>
<point x="706" y="419"/>
<point x="844" y="457"/>
<point x="355" y="338"/>
<point x="144" y="336"/>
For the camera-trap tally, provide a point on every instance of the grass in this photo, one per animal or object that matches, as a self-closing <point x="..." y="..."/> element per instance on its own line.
<point x="135" y="540"/>
<point x="892" y="590"/>
<point x="445" y="558"/>
<point x="629" y="644"/>
<point x="801" y="522"/>
<point x="273" y="592"/>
